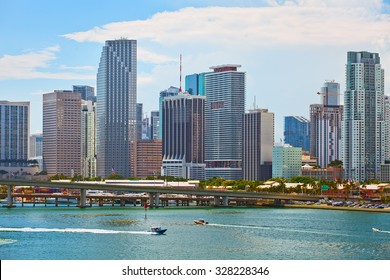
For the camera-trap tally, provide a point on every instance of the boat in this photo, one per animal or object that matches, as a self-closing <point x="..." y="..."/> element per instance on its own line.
<point x="157" y="230"/>
<point x="200" y="222"/>
<point x="376" y="229"/>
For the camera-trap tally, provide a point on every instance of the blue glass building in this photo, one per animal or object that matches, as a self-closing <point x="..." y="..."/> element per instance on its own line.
<point x="297" y="132"/>
<point x="195" y="84"/>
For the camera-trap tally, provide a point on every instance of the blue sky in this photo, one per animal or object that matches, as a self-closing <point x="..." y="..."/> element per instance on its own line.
<point x="287" y="48"/>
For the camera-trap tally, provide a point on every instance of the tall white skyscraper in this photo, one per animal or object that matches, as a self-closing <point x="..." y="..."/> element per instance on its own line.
<point x="116" y="107"/>
<point x="325" y="125"/>
<point x="364" y="114"/>
<point x="224" y="112"/>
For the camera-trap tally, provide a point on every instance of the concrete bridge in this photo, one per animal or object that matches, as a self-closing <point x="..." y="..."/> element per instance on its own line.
<point x="220" y="197"/>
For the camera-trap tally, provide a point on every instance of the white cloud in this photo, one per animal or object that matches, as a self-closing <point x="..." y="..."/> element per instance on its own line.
<point x="306" y="22"/>
<point x="78" y="68"/>
<point x="287" y="48"/>
<point x="30" y="65"/>
<point x="153" y="57"/>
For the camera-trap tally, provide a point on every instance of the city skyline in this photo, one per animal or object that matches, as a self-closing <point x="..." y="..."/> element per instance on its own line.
<point x="287" y="48"/>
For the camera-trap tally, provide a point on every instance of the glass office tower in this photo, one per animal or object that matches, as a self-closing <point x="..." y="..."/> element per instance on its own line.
<point x="116" y="107"/>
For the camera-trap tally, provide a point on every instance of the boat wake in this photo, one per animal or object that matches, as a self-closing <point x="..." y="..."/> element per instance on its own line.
<point x="73" y="230"/>
<point x="279" y="229"/>
<point x="4" y="241"/>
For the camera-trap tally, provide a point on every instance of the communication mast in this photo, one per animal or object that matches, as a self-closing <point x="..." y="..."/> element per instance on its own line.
<point x="180" y="75"/>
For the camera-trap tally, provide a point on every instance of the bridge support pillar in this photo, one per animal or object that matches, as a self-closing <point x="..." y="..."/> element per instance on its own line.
<point x="225" y="201"/>
<point x="278" y="202"/>
<point x="217" y="201"/>
<point x="83" y="198"/>
<point x="156" y="199"/>
<point x="9" y="196"/>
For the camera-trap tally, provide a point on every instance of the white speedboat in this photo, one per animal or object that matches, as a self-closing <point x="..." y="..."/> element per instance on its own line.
<point x="157" y="230"/>
<point x="376" y="229"/>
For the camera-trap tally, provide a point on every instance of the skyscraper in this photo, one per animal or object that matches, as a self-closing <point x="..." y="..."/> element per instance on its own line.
<point x="35" y="146"/>
<point x="257" y="144"/>
<point x="140" y="114"/>
<point x="224" y="110"/>
<point x="325" y="125"/>
<point x="297" y="132"/>
<point x="155" y="126"/>
<point x="364" y="114"/>
<point x="14" y="133"/>
<point x="87" y="92"/>
<point x="116" y="107"/>
<point x="183" y="136"/>
<point x="171" y="91"/>
<point x="88" y="139"/>
<point x="62" y="133"/>
<point x="195" y="84"/>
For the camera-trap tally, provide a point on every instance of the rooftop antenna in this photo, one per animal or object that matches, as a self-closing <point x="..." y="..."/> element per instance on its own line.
<point x="254" y="102"/>
<point x="180" y="74"/>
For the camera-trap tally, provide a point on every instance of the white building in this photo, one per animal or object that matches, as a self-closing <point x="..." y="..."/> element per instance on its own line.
<point x="364" y="117"/>
<point x="286" y="161"/>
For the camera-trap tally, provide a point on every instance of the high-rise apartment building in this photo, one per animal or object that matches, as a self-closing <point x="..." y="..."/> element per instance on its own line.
<point x="224" y="112"/>
<point x="286" y="161"/>
<point x="87" y="92"/>
<point x="14" y="133"/>
<point x="116" y="107"/>
<point x="183" y="136"/>
<point x="387" y="127"/>
<point x="62" y="133"/>
<point x="88" y="139"/>
<point x="257" y="144"/>
<point x="325" y="125"/>
<point x="297" y="132"/>
<point x="364" y="117"/>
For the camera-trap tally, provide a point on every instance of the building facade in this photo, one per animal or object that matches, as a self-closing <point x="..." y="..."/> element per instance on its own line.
<point x="87" y="92"/>
<point x="35" y="146"/>
<point x="195" y="84"/>
<point x="286" y="161"/>
<point x="183" y="136"/>
<point x="62" y="133"/>
<point x="88" y="139"/>
<point x="14" y="133"/>
<point x="140" y="115"/>
<point x="325" y="125"/>
<point x="224" y="112"/>
<point x="171" y="91"/>
<point x="364" y="117"/>
<point x="116" y="107"/>
<point x="148" y="158"/>
<point x="155" y="127"/>
<point x="297" y="132"/>
<point x="257" y="144"/>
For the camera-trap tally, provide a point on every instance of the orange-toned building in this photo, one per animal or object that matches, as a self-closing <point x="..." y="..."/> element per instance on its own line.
<point x="147" y="160"/>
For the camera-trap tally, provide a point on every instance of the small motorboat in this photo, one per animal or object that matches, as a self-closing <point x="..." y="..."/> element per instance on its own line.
<point x="200" y="222"/>
<point x="157" y="230"/>
<point x="376" y="229"/>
